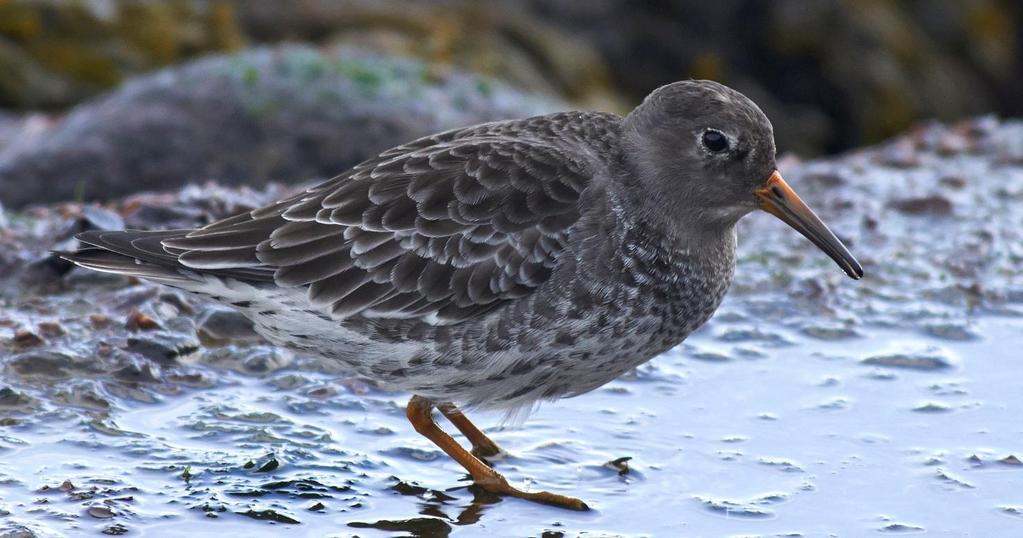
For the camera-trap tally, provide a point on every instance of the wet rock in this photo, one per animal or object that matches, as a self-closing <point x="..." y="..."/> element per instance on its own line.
<point x="952" y="182"/>
<point x="951" y="331"/>
<point x="288" y="113"/>
<point x="221" y="325"/>
<point x="933" y="205"/>
<point x="87" y="394"/>
<point x="116" y="529"/>
<point x="51" y="329"/>
<point x="99" y="321"/>
<point x="1015" y="510"/>
<point x="270" y="515"/>
<point x="178" y="301"/>
<point x="162" y="345"/>
<point x="909" y="361"/>
<point x="932" y="407"/>
<point x="898" y="154"/>
<point x="1012" y="460"/>
<point x="100" y="512"/>
<point x="265" y="465"/>
<point x="896" y="527"/>
<point x="138" y="371"/>
<point x="709" y="356"/>
<point x="45" y="271"/>
<point x="265" y="361"/>
<point x="417" y="526"/>
<point x="830" y="332"/>
<point x="953" y="480"/>
<point x="139" y="321"/>
<point x="733" y="508"/>
<point x="781" y="464"/>
<point x="45" y="363"/>
<point x="12" y="398"/>
<point x="25" y="338"/>
<point x="14" y="530"/>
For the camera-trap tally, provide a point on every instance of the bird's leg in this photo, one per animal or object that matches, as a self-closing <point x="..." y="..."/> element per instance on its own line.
<point x="482" y="446"/>
<point x="420" y="414"/>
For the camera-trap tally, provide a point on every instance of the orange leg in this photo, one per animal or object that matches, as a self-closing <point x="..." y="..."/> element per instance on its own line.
<point x="482" y="446"/>
<point x="420" y="414"/>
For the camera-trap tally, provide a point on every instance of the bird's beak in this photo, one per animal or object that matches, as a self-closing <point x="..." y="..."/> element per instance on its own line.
<point x="778" y="199"/>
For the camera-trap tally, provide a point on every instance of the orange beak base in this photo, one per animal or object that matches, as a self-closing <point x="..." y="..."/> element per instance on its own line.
<point x="777" y="198"/>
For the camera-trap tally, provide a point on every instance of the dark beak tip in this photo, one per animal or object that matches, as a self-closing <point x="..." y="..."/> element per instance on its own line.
<point x="854" y="270"/>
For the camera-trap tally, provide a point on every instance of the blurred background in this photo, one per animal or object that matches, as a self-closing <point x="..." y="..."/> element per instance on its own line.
<point x="832" y="75"/>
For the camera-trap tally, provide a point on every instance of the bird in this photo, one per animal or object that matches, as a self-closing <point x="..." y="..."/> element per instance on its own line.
<point x="497" y="265"/>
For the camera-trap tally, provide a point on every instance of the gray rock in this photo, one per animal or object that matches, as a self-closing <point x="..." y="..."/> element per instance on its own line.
<point x="162" y="345"/>
<point x="288" y="113"/>
<point x="220" y="325"/>
<point x="44" y="363"/>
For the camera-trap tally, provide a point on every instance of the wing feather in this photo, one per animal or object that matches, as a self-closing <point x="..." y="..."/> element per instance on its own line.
<point x="440" y="230"/>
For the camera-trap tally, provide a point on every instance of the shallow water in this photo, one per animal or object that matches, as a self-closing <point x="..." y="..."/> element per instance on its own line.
<point x="810" y="405"/>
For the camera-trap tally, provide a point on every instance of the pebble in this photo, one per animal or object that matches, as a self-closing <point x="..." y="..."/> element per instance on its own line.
<point x="51" y="329"/>
<point x="47" y="363"/>
<point x="221" y="325"/>
<point x="25" y="338"/>
<point x="137" y="321"/>
<point x="99" y="321"/>
<point x="907" y="361"/>
<point x="100" y="512"/>
<point x="932" y="205"/>
<point x="1011" y="459"/>
<point x="932" y="407"/>
<point x="163" y="345"/>
<point x="115" y="530"/>
<point x="10" y="397"/>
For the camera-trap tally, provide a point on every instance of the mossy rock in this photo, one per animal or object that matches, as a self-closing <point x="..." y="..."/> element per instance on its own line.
<point x="290" y="113"/>
<point x="54" y="54"/>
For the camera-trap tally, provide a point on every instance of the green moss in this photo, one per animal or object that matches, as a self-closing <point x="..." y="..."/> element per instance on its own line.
<point x="484" y="87"/>
<point x="365" y="77"/>
<point x="250" y="75"/>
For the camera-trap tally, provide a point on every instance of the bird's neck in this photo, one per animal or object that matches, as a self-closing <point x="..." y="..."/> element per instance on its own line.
<point x="697" y="231"/>
<point x="662" y="253"/>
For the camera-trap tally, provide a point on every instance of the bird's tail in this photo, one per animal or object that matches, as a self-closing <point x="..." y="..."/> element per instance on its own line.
<point x="154" y="256"/>
<point x="130" y="252"/>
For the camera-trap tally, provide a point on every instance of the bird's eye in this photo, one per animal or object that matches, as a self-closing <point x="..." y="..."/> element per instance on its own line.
<point x="715" y="140"/>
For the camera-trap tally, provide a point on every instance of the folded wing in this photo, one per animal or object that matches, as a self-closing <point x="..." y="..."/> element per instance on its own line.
<point x="441" y="229"/>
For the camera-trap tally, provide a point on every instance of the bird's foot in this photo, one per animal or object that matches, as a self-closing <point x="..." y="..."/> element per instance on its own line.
<point x="499" y="485"/>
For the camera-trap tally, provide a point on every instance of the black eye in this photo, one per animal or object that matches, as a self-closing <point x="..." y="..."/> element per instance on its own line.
<point x="715" y="140"/>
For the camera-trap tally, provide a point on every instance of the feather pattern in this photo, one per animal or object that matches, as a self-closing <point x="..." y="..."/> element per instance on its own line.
<point x="441" y="229"/>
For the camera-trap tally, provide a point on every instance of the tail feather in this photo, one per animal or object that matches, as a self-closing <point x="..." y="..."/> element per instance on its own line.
<point x="144" y="254"/>
<point x="107" y="261"/>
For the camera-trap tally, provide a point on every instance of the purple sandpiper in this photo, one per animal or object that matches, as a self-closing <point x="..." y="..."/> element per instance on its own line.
<point x="501" y="264"/>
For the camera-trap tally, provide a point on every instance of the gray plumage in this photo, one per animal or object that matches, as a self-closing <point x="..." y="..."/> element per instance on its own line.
<point x="493" y="265"/>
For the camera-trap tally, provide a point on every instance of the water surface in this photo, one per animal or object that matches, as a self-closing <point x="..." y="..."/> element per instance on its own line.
<point x="811" y="405"/>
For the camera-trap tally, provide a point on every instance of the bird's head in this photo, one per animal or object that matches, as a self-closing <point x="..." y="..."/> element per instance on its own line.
<point x="705" y="156"/>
